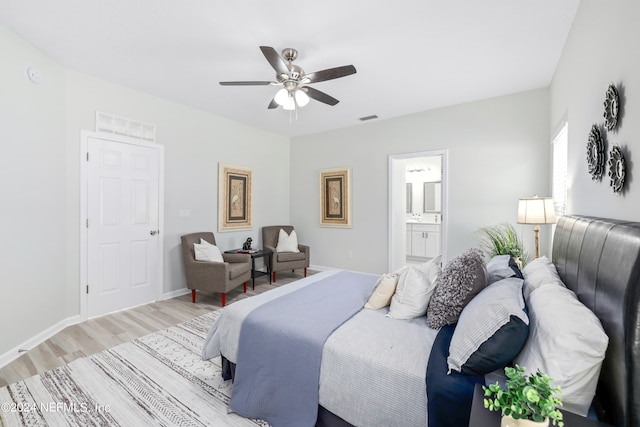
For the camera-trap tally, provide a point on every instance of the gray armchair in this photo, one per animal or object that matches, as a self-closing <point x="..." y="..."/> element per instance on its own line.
<point x="281" y="261"/>
<point x="213" y="276"/>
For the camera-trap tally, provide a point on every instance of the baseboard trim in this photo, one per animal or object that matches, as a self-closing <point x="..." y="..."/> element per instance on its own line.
<point x="36" y="340"/>
<point x="174" y="294"/>
<point x="320" y="268"/>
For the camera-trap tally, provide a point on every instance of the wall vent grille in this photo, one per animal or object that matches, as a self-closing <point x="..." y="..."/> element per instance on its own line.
<point x="122" y="126"/>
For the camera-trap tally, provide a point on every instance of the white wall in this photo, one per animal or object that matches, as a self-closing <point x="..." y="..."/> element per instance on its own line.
<point x="602" y="48"/>
<point x="498" y="152"/>
<point x="40" y="134"/>
<point x="32" y="188"/>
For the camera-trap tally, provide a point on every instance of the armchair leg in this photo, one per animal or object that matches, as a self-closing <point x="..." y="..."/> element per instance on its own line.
<point x="224" y="299"/>
<point x="193" y="296"/>
<point x="274" y="277"/>
<point x="305" y="272"/>
<point x="245" y="287"/>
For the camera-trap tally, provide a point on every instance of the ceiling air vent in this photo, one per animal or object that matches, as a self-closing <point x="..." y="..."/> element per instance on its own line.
<point x="364" y="119"/>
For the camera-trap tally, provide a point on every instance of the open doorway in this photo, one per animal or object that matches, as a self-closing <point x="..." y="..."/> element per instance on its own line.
<point x="417" y="207"/>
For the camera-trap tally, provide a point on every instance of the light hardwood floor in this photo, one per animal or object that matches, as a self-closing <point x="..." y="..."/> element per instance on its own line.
<point x="101" y="333"/>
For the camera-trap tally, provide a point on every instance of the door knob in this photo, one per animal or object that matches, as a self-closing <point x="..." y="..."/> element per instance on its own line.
<point x="154" y="232"/>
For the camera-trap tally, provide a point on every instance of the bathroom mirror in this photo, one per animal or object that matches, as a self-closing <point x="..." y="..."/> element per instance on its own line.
<point x="432" y="196"/>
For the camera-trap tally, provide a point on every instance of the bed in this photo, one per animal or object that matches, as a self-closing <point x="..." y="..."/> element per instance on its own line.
<point x="598" y="259"/>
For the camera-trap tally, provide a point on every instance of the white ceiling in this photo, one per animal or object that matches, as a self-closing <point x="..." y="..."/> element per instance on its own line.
<point x="410" y="55"/>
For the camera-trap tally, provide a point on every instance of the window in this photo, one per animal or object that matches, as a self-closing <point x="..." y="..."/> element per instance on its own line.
<point x="559" y="185"/>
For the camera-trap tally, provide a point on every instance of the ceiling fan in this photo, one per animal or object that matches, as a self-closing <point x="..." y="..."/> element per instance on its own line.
<point x="295" y="92"/>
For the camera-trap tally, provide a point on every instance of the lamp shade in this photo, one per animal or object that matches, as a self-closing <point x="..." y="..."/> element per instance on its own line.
<point x="536" y="210"/>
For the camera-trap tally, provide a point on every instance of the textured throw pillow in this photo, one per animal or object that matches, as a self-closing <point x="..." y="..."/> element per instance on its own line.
<point x="491" y="330"/>
<point x="205" y="251"/>
<point x="287" y="242"/>
<point x="383" y="291"/>
<point x="538" y="272"/>
<point x="567" y="342"/>
<point x="459" y="282"/>
<point x="502" y="266"/>
<point x="412" y="295"/>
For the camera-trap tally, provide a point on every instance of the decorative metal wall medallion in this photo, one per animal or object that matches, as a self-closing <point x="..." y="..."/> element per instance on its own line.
<point x="595" y="153"/>
<point x="611" y="108"/>
<point x="617" y="169"/>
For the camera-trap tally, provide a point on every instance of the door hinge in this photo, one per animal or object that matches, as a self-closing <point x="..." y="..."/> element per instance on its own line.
<point x="86" y="223"/>
<point x="87" y="156"/>
<point x="87" y="288"/>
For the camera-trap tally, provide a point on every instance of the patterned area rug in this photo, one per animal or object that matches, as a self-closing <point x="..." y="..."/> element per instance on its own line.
<point x="156" y="380"/>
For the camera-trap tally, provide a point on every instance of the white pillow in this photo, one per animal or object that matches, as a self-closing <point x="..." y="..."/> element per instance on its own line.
<point x="412" y="295"/>
<point x="205" y="251"/>
<point x="538" y="272"/>
<point x="567" y="342"/>
<point x="432" y="268"/>
<point x="204" y="242"/>
<point x="383" y="291"/>
<point x="287" y="242"/>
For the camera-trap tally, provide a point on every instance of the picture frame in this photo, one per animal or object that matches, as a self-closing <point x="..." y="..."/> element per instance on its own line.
<point x="335" y="197"/>
<point x="234" y="197"/>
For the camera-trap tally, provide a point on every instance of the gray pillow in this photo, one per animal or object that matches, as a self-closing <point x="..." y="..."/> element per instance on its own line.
<point x="498" y="268"/>
<point x="502" y="266"/>
<point x="491" y="331"/>
<point x="459" y="282"/>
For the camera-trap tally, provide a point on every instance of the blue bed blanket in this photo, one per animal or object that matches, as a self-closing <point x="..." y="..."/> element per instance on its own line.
<point x="280" y="348"/>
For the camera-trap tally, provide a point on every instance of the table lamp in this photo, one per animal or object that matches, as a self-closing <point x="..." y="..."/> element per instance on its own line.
<point x="536" y="210"/>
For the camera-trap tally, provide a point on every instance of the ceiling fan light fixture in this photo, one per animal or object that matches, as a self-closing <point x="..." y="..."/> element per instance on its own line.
<point x="289" y="104"/>
<point x="281" y="96"/>
<point x="302" y="98"/>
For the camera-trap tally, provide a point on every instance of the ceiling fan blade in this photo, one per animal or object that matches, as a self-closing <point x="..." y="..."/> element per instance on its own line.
<point x="273" y="104"/>
<point x="275" y="60"/>
<point x="247" y="83"/>
<point x="319" y="95"/>
<point x="330" y="74"/>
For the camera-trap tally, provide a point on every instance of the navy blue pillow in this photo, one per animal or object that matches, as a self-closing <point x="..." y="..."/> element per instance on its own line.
<point x="499" y="350"/>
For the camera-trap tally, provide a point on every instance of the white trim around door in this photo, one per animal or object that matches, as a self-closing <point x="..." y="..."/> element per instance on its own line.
<point x="88" y="139"/>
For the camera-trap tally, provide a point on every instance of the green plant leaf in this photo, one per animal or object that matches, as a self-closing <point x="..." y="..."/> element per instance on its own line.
<point x="502" y="239"/>
<point x="530" y="397"/>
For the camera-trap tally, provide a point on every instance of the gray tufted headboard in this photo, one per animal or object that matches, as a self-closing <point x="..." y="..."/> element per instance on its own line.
<point x="599" y="259"/>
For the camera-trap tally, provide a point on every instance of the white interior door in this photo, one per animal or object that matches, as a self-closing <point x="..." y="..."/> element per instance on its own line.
<point x="122" y="225"/>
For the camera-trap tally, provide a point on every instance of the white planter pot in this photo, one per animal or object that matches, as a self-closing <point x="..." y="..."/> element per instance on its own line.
<point x="509" y="421"/>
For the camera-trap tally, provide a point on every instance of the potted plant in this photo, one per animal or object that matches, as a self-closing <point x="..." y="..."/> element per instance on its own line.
<point x="502" y="239"/>
<point x="527" y="400"/>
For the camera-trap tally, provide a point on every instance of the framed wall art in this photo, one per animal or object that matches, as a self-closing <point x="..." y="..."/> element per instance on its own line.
<point x="234" y="197"/>
<point x="335" y="197"/>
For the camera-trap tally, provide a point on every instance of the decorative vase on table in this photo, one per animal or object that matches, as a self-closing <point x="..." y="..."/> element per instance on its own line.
<point x="509" y="421"/>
